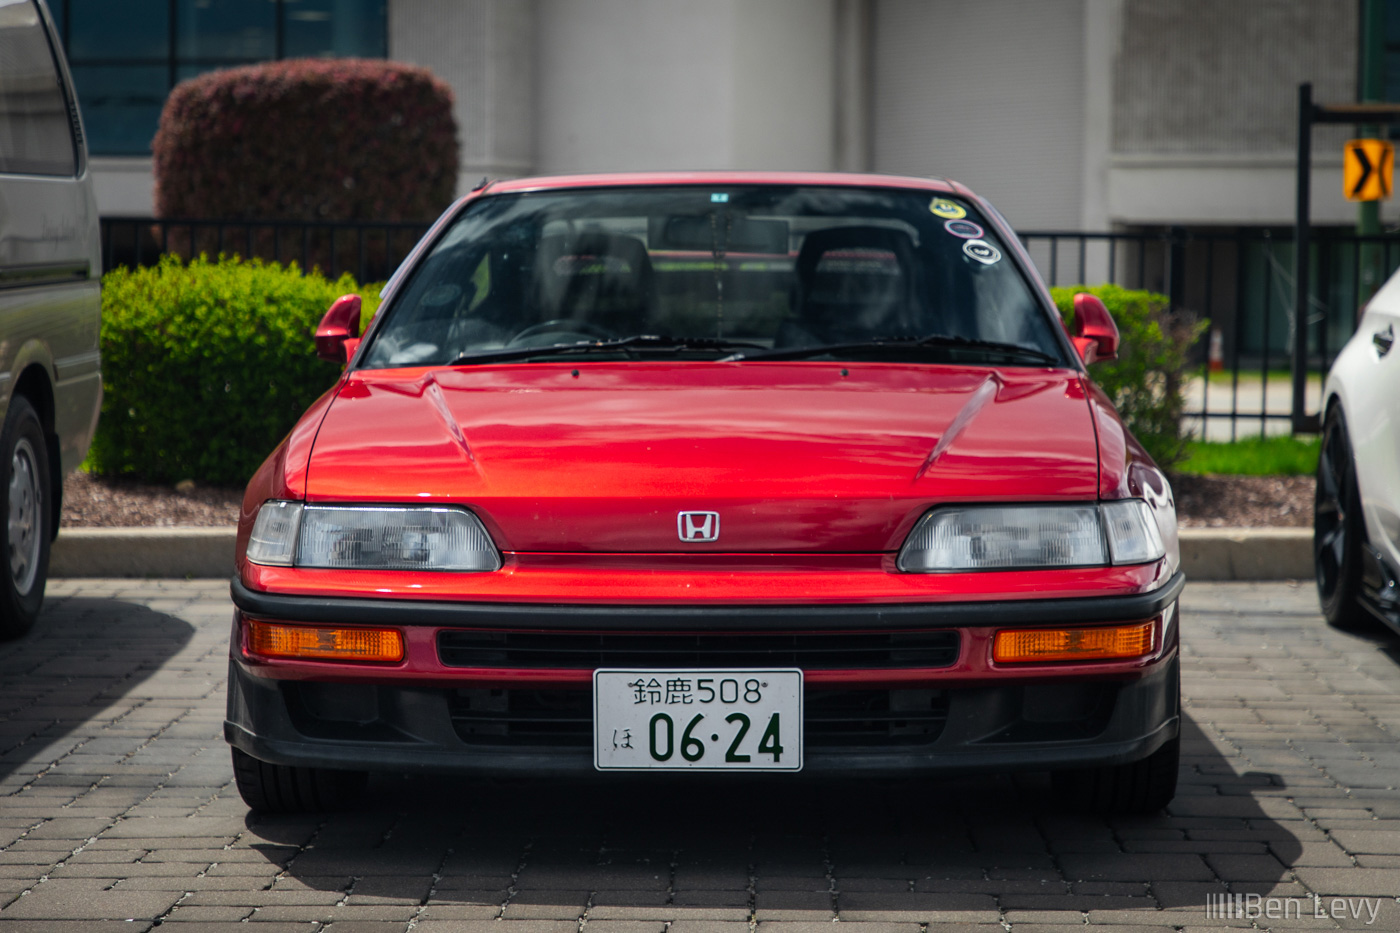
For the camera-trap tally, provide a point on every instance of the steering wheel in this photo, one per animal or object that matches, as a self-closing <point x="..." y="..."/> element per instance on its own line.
<point x="560" y="327"/>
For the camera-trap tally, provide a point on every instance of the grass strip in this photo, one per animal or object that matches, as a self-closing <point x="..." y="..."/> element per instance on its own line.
<point x="1276" y="455"/>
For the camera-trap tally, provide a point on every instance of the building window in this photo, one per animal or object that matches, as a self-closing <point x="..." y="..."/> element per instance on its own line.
<point x="126" y="56"/>
<point x="1390" y="61"/>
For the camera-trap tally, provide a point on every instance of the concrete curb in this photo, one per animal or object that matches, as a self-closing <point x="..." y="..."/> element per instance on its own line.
<point x="182" y="551"/>
<point x="1247" y="553"/>
<point x="172" y="552"/>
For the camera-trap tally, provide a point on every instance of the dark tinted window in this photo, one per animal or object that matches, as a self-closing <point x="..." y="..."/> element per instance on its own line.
<point x="100" y="30"/>
<point x="127" y="54"/>
<point x="226" y="29"/>
<point x="35" y="129"/>
<point x="122" y="105"/>
<point x="341" y="28"/>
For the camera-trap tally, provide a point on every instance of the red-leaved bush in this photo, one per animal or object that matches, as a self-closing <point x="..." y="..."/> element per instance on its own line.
<point x="308" y="139"/>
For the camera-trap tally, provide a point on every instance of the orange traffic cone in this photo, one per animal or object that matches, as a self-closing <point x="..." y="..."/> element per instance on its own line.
<point x="1217" y="351"/>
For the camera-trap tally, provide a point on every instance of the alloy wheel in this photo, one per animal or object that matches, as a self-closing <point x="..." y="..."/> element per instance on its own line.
<point x="1330" y="511"/>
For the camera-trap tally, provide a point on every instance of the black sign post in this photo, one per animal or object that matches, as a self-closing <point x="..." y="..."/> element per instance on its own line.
<point x="1308" y="115"/>
<point x="1301" y="265"/>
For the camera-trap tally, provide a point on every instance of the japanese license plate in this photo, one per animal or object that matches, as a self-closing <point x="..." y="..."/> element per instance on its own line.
<point x="691" y="720"/>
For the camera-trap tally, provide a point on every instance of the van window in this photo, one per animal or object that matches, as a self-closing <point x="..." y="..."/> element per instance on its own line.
<point x="35" y="129"/>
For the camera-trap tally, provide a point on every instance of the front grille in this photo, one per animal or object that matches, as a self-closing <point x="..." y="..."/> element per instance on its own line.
<point x="564" y="718"/>
<point x="555" y="718"/>
<point x="811" y="651"/>
<point x="874" y="717"/>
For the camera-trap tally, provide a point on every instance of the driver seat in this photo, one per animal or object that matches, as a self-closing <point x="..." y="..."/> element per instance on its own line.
<point x="598" y="280"/>
<point x="852" y="283"/>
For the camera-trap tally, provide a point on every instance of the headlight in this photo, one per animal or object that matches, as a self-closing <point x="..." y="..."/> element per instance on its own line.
<point x="371" y="538"/>
<point x="274" y="537"/>
<point x="1133" y="537"/>
<point x="1032" y="536"/>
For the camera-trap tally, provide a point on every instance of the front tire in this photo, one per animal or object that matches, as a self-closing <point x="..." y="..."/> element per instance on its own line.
<point x="1144" y="786"/>
<point x="1338" y="529"/>
<point x="269" y="788"/>
<point x="28" y="518"/>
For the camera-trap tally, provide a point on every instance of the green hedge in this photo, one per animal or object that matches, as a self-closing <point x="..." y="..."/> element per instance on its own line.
<point x="207" y="365"/>
<point x="1146" y="381"/>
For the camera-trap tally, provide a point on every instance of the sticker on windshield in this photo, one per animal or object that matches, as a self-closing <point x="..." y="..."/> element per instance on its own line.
<point x="719" y="197"/>
<point x="982" y="251"/>
<point x="948" y="210"/>
<point x="964" y="228"/>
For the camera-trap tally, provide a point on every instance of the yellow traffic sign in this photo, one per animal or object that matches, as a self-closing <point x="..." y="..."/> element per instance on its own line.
<point x="1367" y="166"/>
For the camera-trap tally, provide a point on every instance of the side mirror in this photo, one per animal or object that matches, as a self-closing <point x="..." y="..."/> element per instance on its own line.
<point x="339" y="332"/>
<point x="1094" y="334"/>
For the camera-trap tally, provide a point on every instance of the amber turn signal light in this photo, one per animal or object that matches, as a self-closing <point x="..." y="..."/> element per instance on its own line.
<point x="1110" y="642"/>
<point x="273" y="640"/>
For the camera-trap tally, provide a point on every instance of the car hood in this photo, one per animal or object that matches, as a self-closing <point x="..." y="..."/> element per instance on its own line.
<point x="794" y="457"/>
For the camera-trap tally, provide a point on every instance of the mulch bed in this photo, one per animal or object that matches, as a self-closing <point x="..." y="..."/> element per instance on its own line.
<point x="107" y="502"/>
<point x="1201" y="502"/>
<point x="1243" y="501"/>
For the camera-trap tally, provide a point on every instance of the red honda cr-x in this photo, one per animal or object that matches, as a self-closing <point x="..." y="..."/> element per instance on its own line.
<point x="724" y="472"/>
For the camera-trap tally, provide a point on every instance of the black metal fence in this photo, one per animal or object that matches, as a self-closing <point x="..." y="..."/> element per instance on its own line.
<point x="1241" y="280"/>
<point x="370" y="251"/>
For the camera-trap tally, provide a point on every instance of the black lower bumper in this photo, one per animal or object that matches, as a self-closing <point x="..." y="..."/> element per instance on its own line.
<point x="930" y="727"/>
<point x="974" y="728"/>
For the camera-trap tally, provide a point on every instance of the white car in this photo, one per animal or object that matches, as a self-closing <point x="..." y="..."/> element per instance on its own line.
<point x="1356" y="513"/>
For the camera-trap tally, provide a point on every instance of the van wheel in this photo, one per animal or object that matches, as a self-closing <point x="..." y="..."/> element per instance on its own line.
<point x="269" y="788"/>
<point x="27" y="518"/>
<point x="1144" y="786"/>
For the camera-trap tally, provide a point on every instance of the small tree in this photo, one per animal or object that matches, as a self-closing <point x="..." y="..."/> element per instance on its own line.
<point x="305" y="140"/>
<point x="1146" y="382"/>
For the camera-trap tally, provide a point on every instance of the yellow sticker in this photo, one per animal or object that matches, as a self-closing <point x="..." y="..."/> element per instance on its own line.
<point x="947" y="209"/>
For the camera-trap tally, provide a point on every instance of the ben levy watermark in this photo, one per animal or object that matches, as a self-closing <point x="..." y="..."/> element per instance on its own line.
<point x="1254" y="906"/>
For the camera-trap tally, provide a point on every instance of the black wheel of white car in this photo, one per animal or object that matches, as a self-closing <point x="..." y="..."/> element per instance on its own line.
<point x="1338" y="529"/>
<point x="269" y="788"/>
<point x="27" y="517"/>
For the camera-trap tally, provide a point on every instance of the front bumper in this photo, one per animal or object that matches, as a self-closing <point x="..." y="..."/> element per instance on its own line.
<point x="969" y="716"/>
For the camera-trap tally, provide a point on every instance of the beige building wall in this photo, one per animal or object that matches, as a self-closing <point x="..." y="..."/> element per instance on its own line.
<point x="1091" y="114"/>
<point x="123" y="185"/>
<point x="1068" y="114"/>
<point x="1205" y="109"/>
<point x="990" y="94"/>
<point x="635" y="85"/>
<point x="485" y="50"/>
<point x="1199" y="76"/>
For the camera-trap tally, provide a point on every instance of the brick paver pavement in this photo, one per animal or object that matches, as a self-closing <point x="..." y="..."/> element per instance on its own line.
<point x="117" y="804"/>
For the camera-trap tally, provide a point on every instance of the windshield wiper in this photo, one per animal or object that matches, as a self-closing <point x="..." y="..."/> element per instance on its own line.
<point x="902" y="343"/>
<point x="588" y="346"/>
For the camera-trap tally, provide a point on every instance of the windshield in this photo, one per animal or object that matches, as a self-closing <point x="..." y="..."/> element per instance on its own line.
<point x="728" y="272"/>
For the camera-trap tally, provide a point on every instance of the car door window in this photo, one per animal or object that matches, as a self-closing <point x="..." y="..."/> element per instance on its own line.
<point x="35" y="127"/>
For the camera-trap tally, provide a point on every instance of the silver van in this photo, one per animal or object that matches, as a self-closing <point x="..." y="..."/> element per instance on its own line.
<point x="50" y="301"/>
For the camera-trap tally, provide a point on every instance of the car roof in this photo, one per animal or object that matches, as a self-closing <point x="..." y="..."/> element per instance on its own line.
<point x="661" y="179"/>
